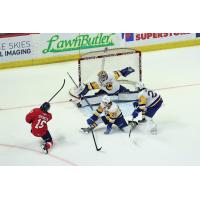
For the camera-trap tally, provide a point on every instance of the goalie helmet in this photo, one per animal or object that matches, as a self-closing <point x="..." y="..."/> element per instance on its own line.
<point x="139" y="86"/>
<point x="102" y="76"/>
<point x="45" y="106"/>
<point x="106" y="100"/>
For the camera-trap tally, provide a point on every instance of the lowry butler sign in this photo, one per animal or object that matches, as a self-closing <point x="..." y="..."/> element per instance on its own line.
<point x="82" y="41"/>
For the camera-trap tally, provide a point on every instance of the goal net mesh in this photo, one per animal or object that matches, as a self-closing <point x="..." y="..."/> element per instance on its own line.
<point x="110" y="60"/>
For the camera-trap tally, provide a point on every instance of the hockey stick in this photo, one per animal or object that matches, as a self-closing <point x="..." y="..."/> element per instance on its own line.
<point x="57" y="91"/>
<point x="133" y="126"/>
<point x="72" y="79"/>
<point x="82" y="96"/>
<point x="98" y="149"/>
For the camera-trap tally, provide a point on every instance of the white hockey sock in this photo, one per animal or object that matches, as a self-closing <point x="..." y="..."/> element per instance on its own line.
<point x="151" y="125"/>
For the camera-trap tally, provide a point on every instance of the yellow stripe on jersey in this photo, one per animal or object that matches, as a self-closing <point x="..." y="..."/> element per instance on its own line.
<point x="143" y="113"/>
<point x="117" y="74"/>
<point x="93" y="85"/>
<point x="98" y="111"/>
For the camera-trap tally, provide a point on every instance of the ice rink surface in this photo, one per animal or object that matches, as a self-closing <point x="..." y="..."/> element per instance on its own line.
<point x="175" y="74"/>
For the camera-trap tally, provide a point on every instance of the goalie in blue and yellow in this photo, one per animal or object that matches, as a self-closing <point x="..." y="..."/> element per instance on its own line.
<point x="107" y="83"/>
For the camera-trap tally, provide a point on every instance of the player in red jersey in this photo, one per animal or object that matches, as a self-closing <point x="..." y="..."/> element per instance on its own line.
<point x="38" y="119"/>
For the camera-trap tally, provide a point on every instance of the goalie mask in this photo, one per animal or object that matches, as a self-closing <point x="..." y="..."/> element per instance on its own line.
<point x="102" y="76"/>
<point x="106" y="101"/>
<point x="140" y="86"/>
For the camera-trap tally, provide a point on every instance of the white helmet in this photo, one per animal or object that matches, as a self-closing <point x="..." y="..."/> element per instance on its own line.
<point x="102" y="76"/>
<point x="106" y="100"/>
<point x="139" y="86"/>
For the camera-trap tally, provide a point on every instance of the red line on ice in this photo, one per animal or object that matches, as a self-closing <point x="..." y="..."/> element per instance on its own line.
<point x="36" y="151"/>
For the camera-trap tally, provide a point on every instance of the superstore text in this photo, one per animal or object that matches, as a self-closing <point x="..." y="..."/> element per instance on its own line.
<point x="147" y="36"/>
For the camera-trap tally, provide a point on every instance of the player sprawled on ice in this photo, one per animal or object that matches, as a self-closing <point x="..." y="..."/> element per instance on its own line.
<point x="107" y="84"/>
<point x="109" y="113"/>
<point x="38" y="119"/>
<point x="147" y="105"/>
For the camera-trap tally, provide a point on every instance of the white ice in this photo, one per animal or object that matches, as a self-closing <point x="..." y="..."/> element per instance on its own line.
<point x="177" y="142"/>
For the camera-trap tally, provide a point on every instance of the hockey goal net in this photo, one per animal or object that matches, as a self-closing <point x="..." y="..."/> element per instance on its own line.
<point x="110" y="60"/>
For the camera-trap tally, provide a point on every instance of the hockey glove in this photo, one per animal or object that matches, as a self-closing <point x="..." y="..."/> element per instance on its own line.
<point x="135" y="104"/>
<point x="108" y="129"/>
<point x="136" y="112"/>
<point x="126" y="71"/>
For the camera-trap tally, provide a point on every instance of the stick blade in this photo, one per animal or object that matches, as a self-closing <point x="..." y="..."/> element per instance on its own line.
<point x="99" y="149"/>
<point x="133" y="125"/>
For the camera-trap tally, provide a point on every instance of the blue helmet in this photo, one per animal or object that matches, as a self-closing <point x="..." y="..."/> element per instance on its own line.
<point x="45" y="106"/>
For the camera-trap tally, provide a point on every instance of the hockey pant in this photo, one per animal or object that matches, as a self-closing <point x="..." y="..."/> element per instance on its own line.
<point x="151" y="111"/>
<point x="120" y="121"/>
<point x="47" y="137"/>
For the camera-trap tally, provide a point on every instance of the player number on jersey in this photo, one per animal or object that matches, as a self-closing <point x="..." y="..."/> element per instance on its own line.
<point x="40" y="123"/>
<point x="152" y="94"/>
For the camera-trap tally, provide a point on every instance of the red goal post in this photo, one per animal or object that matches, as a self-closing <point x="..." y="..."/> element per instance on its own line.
<point x="89" y="64"/>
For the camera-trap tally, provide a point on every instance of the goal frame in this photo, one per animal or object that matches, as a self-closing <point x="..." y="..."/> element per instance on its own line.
<point x="132" y="51"/>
